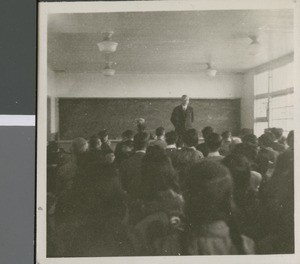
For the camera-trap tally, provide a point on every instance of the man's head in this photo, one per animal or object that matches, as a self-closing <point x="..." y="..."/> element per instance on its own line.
<point x="206" y="131"/>
<point x="277" y="132"/>
<point x="213" y="142"/>
<point x="103" y="135"/>
<point x="226" y="135"/>
<point x="127" y="135"/>
<point x="141" y="141"/>
<point x="190" y="138"/>
<point x="171" y="137"/>
<point x="185" y="100"/>
<point x="79" y="145"/>
<point x="160" y="132"/>
<point x="95" y="142"/>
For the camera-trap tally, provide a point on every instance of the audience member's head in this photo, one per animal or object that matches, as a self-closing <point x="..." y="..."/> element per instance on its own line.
<point x="209" y="192"/>
<point x="95" y="143"/>
<point x="157" y="173"/>
<point x="127" y="135"/>
<point x="213" y="142"/>
<point x="250" y="138"/>
<point x="277" y="132"/>
<point x="103" y="135"/>
<point x="245" y="131"/>
<point x="248" y="150"/>
<point x="160" y="132"/>
<point x="141" y="124"/>
<point x="206" y="131"/>
<point x="141" y="141"/>
<point x="79" y="148"/>
<point x="226" y="136"/>
<point x="240" y="169"/>
<point x="290" y="139"/>
<point x="266" y="140"/>
<point x="171" y="137"/>
<point x="109" y="157"/>
<point x="190" y="138"/>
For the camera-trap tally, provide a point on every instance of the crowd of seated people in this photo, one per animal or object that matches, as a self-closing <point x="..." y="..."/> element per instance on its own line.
<point x="225" y="196"/>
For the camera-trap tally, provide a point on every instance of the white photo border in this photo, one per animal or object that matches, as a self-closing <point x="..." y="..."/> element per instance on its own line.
<point x="136" y="6"/>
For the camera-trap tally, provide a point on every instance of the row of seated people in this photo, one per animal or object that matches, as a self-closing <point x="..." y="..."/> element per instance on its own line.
<point x="222" y="196"/>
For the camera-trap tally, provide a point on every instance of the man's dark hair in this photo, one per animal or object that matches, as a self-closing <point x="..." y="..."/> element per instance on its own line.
<point x="213" y="142"/>
<point x="266" y="139"/>
<point x="206" y="131"/>
<point x="226" y="134"/>
<point x="277" y="132"/>
<point x="171" y="137"/>
<point x="250" y="138"/>
<point x="159" y="131"/>
<point x="190" y="138"/>
<point x="141" y="140"/>
<point x="128" y="134"/>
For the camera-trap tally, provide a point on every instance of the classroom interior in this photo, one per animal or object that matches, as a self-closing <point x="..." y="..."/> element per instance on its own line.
<point x="107" y="70"/>
<point x="159" y="57"/>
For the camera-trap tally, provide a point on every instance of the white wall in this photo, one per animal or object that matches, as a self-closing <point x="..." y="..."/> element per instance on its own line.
<point x="247" y="101"/>
<point x="148" y="85"/>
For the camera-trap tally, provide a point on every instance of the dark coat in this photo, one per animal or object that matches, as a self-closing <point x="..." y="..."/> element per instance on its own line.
<point x="182" y="120"/>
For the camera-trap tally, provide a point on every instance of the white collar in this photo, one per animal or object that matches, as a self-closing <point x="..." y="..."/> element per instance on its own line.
<point x="173" y="146"/>
<point x="214" y="154"/>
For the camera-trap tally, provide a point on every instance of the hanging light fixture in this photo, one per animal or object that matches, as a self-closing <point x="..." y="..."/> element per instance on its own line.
<point x="210" y="71"/>
<point x="255" y="46"/>
<point x="108" y="70"/>
<point x="107" y="45"/>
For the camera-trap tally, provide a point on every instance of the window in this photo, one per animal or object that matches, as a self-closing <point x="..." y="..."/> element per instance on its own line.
<point x="273" y="104"/>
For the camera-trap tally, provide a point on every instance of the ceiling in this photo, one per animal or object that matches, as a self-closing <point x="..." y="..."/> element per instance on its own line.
<point x="175" y="42"/>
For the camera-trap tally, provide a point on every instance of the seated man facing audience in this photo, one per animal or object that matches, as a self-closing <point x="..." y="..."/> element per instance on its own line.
<point x="160" y="138"/>
<point x="213" y="143"/>
<point x="202" y="147"/>
<point x="187" y="156"/>
<point x="130" y="169"/>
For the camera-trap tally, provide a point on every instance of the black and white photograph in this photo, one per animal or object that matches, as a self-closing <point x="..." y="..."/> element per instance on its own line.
<point x="166" y="130"/>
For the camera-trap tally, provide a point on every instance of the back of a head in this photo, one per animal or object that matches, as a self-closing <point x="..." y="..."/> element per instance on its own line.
<point x="209" y="191"/>
<point x="190" y="138"/>
<point x="206" y="131"/>
<point x="266" y="139"/>
<point x="250" y="138"/>
<point x="213" y="142"/>
<point x="157" y="172"/>
<point x="141" y="140"/>
<point x="160" y="131"/>
<point x="246" y="149"/>
<point x="79" y="145"/>
<point x="171" y="137"/>
<point x="128" y="134"/>
<point x="277" y="132"/>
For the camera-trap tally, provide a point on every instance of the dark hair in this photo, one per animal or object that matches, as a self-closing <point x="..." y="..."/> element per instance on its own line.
<point x="141" y="127"/>
<point x="240" y="170"/>
<point x="141" y="140"/>
<point x="171" y="137"/>
<point x="245" y="131"/>
<point x="159" y="131"/>
<point x="128" y="134"/>
<point x="250" y="138"/>
<point x="206" y="131"/>
<point x="226" y="134"/>
<point x="213" y="142"/>
<point x="290" y="139"/>
<point x="102" y="134"/>
<point x="266" y="139"/>
<point x="94" y="142"/>
<point x="190" y="138"/>
<point x="209" y="198"/>
<point x="128" y="143"/>
<point x="248" y="150"/>
<point x="277" y="132"/>
<point x="157" y="173"/>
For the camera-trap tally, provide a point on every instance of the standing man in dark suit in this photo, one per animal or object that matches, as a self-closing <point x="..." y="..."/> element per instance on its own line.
<point x="183" y="117"/>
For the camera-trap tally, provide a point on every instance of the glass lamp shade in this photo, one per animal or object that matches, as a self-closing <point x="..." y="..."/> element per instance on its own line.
<point x="108" y="71"/>
<point x="211" y="72"/>
<point x="107" y="46"/>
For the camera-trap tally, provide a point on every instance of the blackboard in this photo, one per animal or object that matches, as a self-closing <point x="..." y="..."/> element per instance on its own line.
<point x="86" y="116"/>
